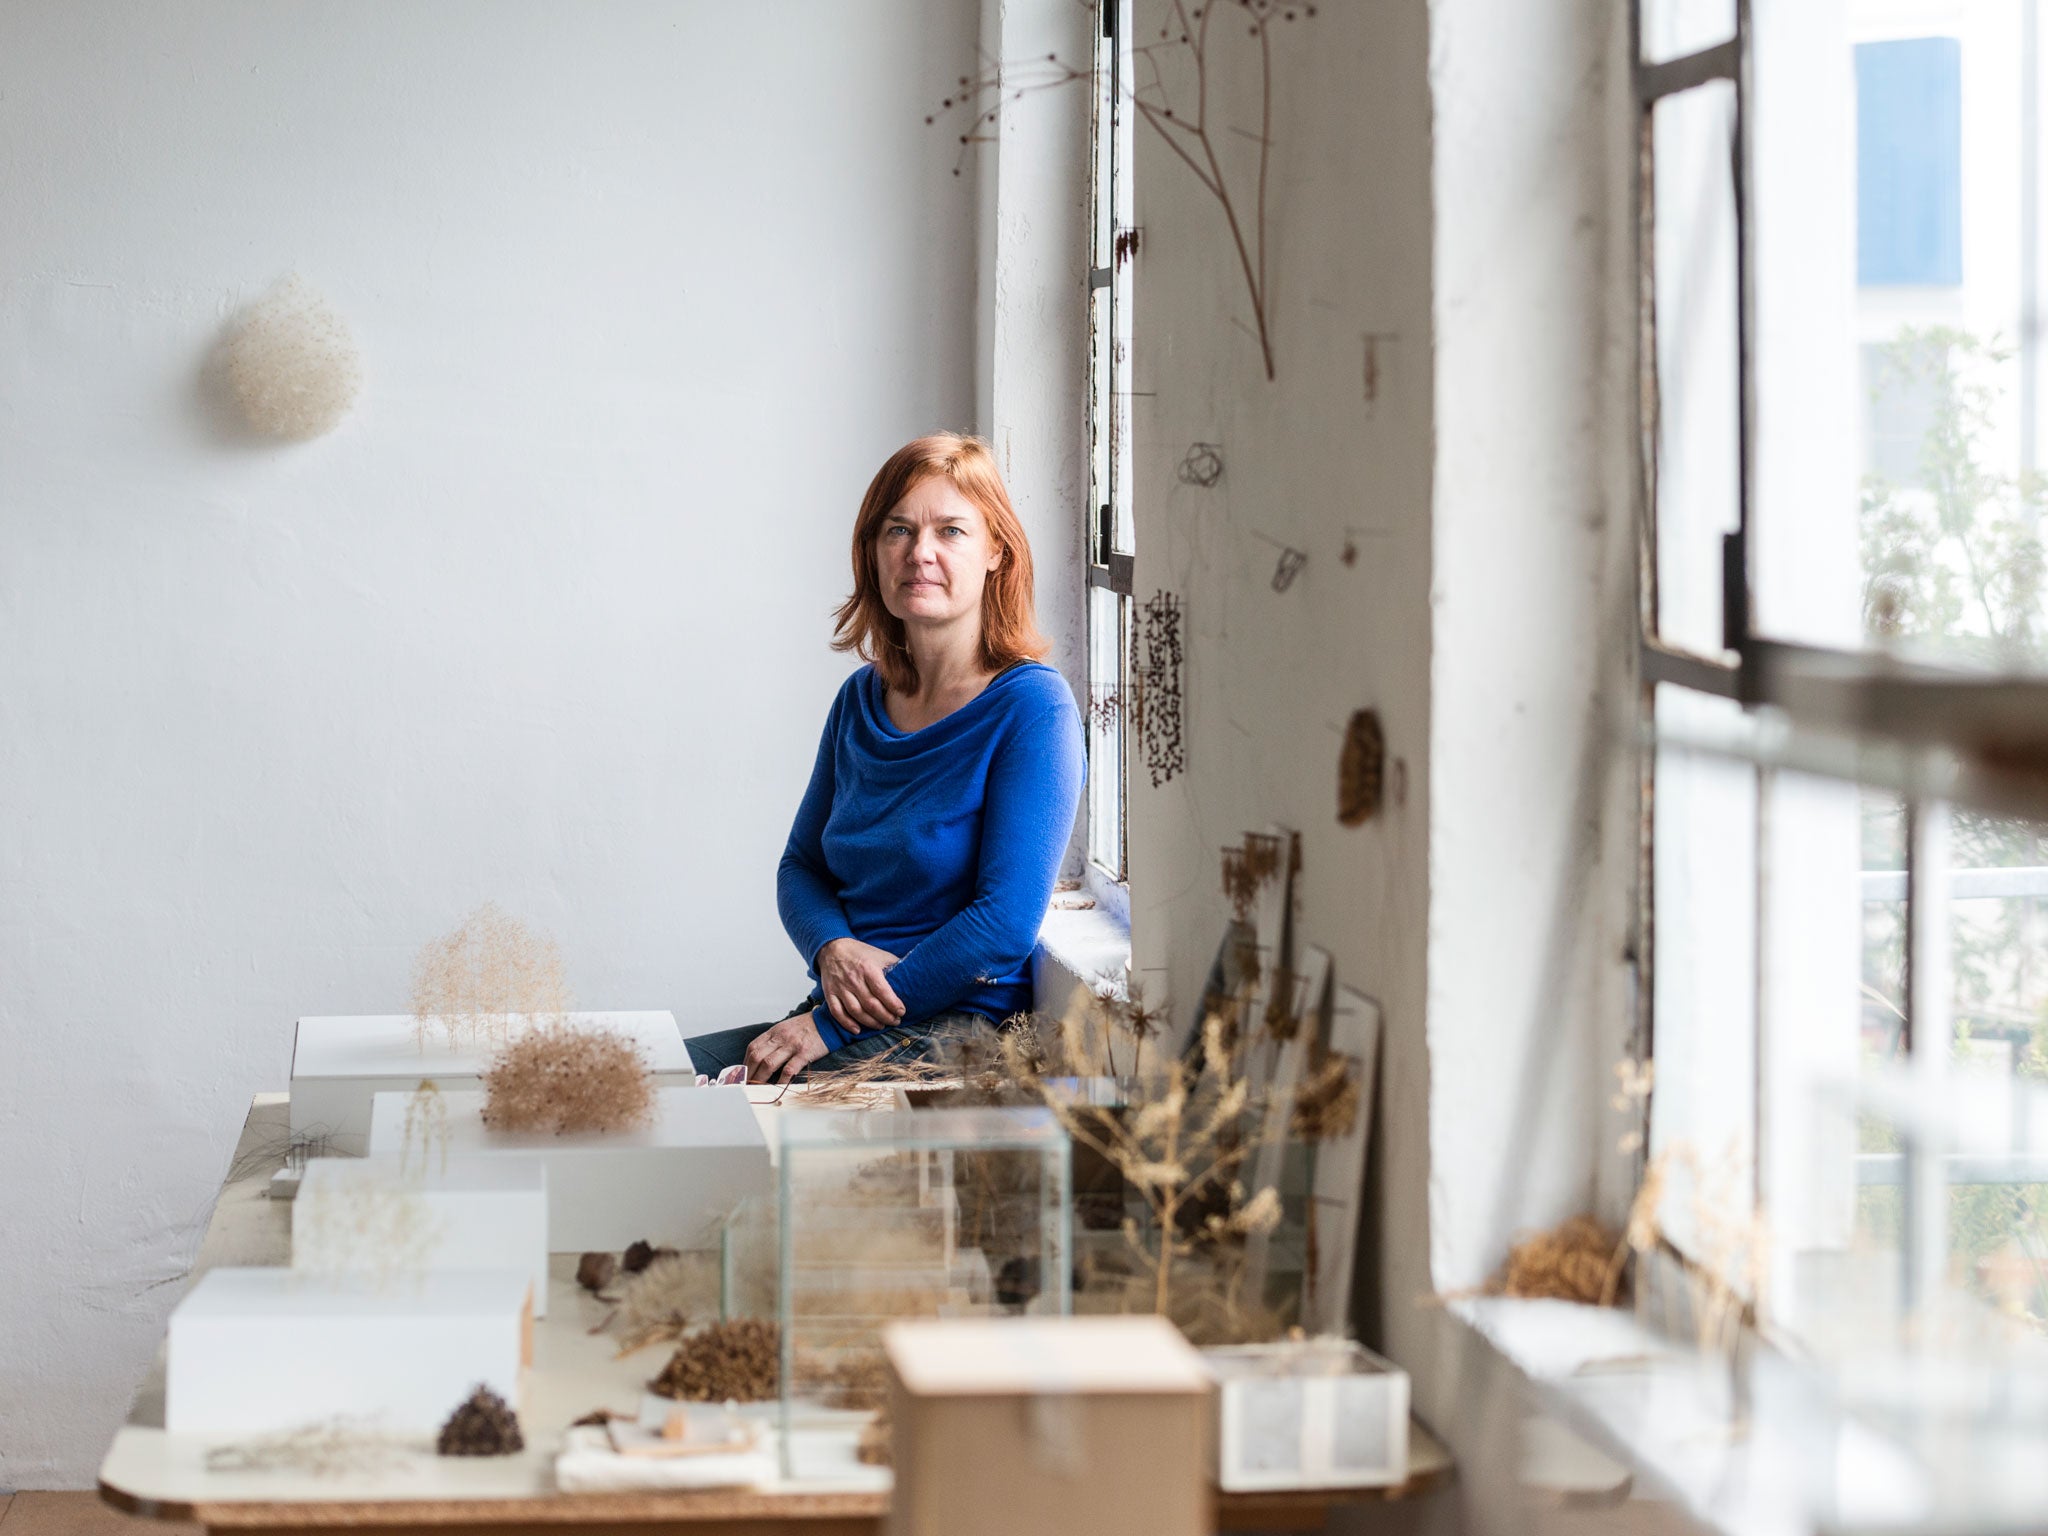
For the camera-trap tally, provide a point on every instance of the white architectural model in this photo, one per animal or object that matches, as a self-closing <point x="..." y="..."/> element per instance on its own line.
<point x="253" y="1351"/>
<point x="669" y="1182"/>
<point x="338" y="1063"/>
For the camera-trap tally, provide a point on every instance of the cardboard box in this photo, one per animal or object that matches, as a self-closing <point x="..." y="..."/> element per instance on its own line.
<point x="255" y="1351"/>
<point x="338" y="1064"/>
<point x="1070" y="1426"/>
<point x="670" y="1182"/>
<point x="365" y="1215"/>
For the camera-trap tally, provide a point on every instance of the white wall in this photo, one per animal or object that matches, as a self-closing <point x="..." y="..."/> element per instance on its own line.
<point x="646" y="289"/>
<point x="1451" y="176"/>
<point x="1272" y="677"/>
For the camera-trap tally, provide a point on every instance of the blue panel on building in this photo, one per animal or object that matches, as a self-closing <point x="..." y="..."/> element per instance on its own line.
<point x="1909" y="162"/>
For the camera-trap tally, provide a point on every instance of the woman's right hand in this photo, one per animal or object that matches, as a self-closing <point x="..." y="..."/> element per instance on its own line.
<point x="854" y="979"/>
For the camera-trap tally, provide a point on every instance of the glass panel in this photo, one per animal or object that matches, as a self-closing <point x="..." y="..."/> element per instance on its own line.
<point x="1899" y="497"/>
<point x="1108" y="621"/>
<point x="1704" y="969"/>
<point x="1815" y="1014"/>
<point x="1998" y="936"/>
<point x="1674" y="28"/>
<point x="1698" y="436"/>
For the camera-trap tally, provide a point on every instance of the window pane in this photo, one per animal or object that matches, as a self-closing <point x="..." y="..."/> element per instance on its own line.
<point x="1108" y="618"/>
<point x="1696" y="317"/>
<point x="1704" y="966"/>
<point x="1897" y="213"/>
<point x="1998" y="937"/>
<point x="1674" y="28"/>
<point x="1815" y="1012"/>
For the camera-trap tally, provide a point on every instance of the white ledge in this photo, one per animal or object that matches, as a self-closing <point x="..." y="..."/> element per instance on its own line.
<point x="1793" y="1464"/>
<point x="1082" y="943"/>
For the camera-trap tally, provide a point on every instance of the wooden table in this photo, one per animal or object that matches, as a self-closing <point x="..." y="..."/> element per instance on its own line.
<point x="148" y="1472"/>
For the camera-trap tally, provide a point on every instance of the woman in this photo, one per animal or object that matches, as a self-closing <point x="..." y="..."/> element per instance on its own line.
<point x="926" y="846"/>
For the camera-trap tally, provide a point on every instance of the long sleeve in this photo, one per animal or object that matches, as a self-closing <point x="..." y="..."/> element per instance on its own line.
<point x="805" y="893"/>
<point x="1034" y="788"/>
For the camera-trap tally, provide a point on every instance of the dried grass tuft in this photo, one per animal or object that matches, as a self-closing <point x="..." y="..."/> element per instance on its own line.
<point x="471" y="984"/>
<point x="654" y="1303"/>
<point x="339" y="1447"/>
<point x="561" y="1079"/>
<point x="1577" y="1260"/>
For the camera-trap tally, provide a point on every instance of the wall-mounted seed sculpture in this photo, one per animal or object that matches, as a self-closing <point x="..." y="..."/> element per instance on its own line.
<point x="1202" y="465"/>
<point x="1155" y="704"/>
<point x="292" y="363"/>
<point x="1361" y="769"/>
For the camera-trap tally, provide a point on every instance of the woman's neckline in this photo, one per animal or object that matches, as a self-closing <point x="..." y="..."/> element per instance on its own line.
<point x="888" y="721"/>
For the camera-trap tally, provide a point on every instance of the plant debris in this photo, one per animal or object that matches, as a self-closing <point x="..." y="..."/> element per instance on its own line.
<point x="483" y="1426"/>
<point x="737" y="1361"/>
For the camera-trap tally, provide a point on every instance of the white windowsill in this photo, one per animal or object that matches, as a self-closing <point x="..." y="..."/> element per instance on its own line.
<point x="1085" y="941"/>
<point x="1795" y="1464"/>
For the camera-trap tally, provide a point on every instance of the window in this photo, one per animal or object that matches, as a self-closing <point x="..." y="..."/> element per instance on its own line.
<point x="1110" y="531"/>
<point x="1845" y="631"/>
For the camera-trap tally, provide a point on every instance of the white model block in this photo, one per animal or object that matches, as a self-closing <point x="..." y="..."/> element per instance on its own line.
<point x="339" y="1063"/>
<point x="669" y="1182"/>
<point x="372" y="1216"/>
<point x="260" y="1350"/>
<point x="1314" y="1413"/>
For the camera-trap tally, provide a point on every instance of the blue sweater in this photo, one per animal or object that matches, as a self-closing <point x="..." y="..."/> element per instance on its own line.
<point x="940" y="845"/>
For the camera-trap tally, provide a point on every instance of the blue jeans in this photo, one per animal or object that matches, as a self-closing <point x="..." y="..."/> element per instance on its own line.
<point x="712" y="1053"/>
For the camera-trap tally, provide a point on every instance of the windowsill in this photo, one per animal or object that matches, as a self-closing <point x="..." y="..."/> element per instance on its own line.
<point x="1794" y="1463"/>
<point x="1085" y="941"/>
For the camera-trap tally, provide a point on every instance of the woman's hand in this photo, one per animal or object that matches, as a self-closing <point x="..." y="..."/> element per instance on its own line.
<point x="854" y="979"/>
<point x="785" y="1050"/>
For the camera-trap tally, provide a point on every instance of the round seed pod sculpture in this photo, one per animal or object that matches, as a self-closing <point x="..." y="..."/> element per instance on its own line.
<point x="292" y="363"/>
<point x="565" y="1080"/>
<point x="484" y="1425"/>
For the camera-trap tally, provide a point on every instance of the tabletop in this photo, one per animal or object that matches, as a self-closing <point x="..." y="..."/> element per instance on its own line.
<point x="151" y="1473"/>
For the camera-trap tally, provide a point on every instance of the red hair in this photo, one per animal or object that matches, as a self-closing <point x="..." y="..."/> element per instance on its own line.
<point x="1009" y="618"/>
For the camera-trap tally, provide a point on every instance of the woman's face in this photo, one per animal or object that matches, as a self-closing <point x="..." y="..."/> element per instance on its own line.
<point x="933" y="555"/>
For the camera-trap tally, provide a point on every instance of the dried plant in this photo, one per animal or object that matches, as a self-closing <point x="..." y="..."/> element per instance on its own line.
<point x="737" y="1361"/>
<point x="1728" y="1238"/>
<point x="338" y="1447"/>
<point x="1172" y="94"/>
<point x="471" y="984"/>
<point x="366" y="1225"/>
<point x="483" y="1425"/>
<point x="426" y="1130"/>
<point x="1248" y="869"/>
<point x="875" y="1447"/>
<point x="1578" y="1260"/>
<point x="1326" y="1101"/>
<point x="558" y="1078"/>
<point x="655" y="1303"/>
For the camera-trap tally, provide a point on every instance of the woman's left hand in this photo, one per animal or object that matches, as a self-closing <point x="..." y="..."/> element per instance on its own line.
<point x="780" y="1053"/>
